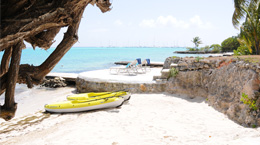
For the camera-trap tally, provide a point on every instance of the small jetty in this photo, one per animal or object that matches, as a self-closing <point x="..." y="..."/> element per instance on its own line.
<point x="152" y="64"/>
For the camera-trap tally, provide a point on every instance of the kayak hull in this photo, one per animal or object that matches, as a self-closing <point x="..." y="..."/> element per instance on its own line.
<point x="79" y="106"/>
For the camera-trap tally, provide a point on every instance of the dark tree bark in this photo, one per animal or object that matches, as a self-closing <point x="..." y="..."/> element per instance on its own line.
<point x="5" y="61"/>
<point x="37" y="22"/>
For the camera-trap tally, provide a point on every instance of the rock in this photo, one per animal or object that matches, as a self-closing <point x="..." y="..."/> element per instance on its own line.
<point x="258" y="69"/>
<point x="223" y="87"/>
<point x="206" y="66"/>
<point x="54" y="83"/>
<point x="183" y="63"/>
<point x="174" y="65"/>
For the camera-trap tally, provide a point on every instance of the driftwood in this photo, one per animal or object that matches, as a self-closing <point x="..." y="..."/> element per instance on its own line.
<point x="37" y="22"/>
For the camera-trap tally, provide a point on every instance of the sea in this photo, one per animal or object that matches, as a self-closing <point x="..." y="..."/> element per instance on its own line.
<point x="81" y="59"/>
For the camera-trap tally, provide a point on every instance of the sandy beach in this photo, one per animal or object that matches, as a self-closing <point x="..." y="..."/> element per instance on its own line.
<point x="146" y="119"/>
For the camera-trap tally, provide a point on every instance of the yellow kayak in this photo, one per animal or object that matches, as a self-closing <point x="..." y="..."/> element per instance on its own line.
<point x="84" y="105"/>
<point x="92" y="95"/>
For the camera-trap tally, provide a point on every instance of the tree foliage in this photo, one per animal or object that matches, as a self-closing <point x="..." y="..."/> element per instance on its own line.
<point x="230" y="44"/>
<point x="197" y="41"/>
<point x="239" y="12"/>
<point x="250" y="29"/>
<point x="215" y="48"/>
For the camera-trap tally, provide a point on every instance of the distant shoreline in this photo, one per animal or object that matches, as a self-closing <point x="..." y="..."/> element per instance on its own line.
<point x="203" y="52"/>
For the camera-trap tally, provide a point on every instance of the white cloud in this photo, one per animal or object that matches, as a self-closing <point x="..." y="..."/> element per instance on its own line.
<point x="148" y="23"/>
<point x="99" y="30"/>
<point x="118" y="22"/>
<point x="199" y="23"/>
<point x="162" y="21"/>
<point x="170" y="21"/>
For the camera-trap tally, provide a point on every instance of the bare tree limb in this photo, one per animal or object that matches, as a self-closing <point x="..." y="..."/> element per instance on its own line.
<point x="5" y="61"/>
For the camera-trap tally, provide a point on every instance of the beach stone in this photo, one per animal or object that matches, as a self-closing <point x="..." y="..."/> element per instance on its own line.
<point x="54" y="83"/>
<point x="183" y="63"/>
<point x="206" y="66"/>
<point x="143" y="88"/>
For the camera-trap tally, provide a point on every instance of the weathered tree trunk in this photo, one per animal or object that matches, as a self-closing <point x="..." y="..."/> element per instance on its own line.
<point x="36" y="22"/>
<point x="9" y="108"/>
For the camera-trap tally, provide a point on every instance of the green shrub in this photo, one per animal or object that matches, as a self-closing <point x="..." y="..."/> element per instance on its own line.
<point x="206" y="48"/>
<point x="175" y="57"/>
<point x="230" y="44"/>
<point x="173" y="72"/>
<point x="216" y="48"/>
<point x="247" y="101"/>
<point x="191" y="49"/>
<point x="242" y="50"/>
<point x="197" y="59"/>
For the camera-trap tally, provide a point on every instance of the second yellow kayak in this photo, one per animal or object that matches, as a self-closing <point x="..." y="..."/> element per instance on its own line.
<point x="99" y="95"/>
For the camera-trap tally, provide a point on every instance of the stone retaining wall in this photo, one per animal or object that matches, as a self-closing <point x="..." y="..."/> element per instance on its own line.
<point x="222" y="83"/>
<point x="84" y="86"/>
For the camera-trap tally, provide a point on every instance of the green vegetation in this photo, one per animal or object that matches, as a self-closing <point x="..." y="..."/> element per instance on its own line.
<point x="216" y="48"/>
<point x="250" y="59"/>
<point x="205" y="49"/>
<point x="191" y="49"/>
<point x="250" y="29"/>
<point x="247" y="101"/>
<point x="249" y="36"/>
<point x="242" y="50"/>
<point x="239" y="12"/>
<point x="230" y="44"/>
<point x="197" y="41"/>
<point x="198" y="58"/>
<point x="253" y="126"/>
<point x="175" y="57"/>
<point x="173" y="72"/>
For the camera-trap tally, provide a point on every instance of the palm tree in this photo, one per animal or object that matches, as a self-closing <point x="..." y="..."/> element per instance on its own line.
<point x="196" y="40"/>
<point x="239" y="12"/>
<point x="250" y="29"/>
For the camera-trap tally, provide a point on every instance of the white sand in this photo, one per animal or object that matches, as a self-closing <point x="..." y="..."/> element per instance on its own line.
<point x="147" y="119"/>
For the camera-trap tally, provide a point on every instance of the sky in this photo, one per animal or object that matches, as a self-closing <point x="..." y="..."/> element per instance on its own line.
<point x="159" y="23"/>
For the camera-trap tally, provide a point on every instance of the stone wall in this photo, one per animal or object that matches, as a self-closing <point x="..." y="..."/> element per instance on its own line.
<point x="84" y="86"/>
<point x="221" y="82"/>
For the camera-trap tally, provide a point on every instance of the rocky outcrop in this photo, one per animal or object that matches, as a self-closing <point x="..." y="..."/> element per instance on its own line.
<point x="54" y="83"/>
<point x="222" y="82"/>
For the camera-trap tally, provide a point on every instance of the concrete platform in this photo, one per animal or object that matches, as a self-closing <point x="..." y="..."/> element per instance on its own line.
<point x="103" y="80"/>
<point x="105" y="75"/>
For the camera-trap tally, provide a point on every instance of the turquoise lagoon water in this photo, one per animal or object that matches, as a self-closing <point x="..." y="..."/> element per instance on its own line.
<point x="80" y="59"/>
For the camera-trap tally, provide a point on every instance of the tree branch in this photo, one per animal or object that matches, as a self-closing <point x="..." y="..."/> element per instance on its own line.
<point x="5" y="61"/>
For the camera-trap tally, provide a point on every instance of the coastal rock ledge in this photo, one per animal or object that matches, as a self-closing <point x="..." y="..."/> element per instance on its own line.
<point x="223" y="82"/>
